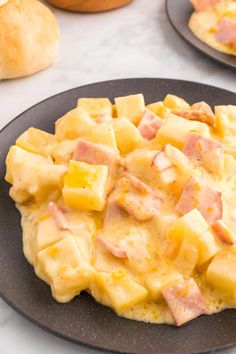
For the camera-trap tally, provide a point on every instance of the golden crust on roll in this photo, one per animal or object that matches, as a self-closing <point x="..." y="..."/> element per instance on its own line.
<point x="29" y="38"/>
<point x="216" y="26"/>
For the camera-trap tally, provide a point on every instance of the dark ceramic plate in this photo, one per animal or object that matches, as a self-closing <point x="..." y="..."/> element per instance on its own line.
<point x="83" y="320"/>
<point x="179" y="12"/>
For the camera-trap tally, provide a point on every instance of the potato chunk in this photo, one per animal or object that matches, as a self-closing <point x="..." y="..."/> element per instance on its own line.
<point x="36" y="141"/>
<point x="73" y="124"/>
<point x="175" y="130"/>
<point x="175" y="102"/>
<point x="221" y="273"/>
<point x="157" y="281"/>
<point x="32" y="175"/>
<point x="85" y="186"/>
<point x="193" y="227"/>
<point x="96" y="107"/>
<point x="225" y="120"/>
<point x="63" y="151"/>
<point x="65" y="269"/>
<point x="118" y="292"/>
<point x="157" y="108"/>
<point x="102" y="134"/>
<point x="131" y="107"/>
<point x="139" y="164"/>
<point x="187" y="258"/>
<point x="127" y="135"/>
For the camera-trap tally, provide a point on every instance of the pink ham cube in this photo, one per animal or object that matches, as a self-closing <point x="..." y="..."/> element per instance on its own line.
<point x="184" y="300"/>
<point x="226" y="33"/>
<point x="199" y="111"/>
<point x="94" y="154"/>
<point x="111" y="248"/>
<point x="205" y="151"/>
<point x="136" y="198"/>
<point x="149" y="125"/>
<point x="58" y="215"/>
<point x="197" y="195"/>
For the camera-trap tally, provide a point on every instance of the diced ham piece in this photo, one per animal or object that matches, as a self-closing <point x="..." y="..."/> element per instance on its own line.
<point x="223" y="232"/>
<point x="113" y="214"/>
<point x="109" y="247"/>
<point x="197" y="195"/>
<point x="202" y="5"/>
<point x="149" y="125"/>
<point x="226" y="33"/>
<point x="57" y="213"/>
<point x="184" y="300"/>
<point x="204" y="150"/>
<point x="161" y="162"/>
<point x="199" y="111"/>
<point x="137" y="184"/>
<point x="136" y="198"/>
<point x="95" y="154"/>
<point x="196" y="145"/>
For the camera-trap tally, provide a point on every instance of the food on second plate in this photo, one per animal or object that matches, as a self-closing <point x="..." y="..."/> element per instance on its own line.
<point x="29" y="38"/>
<point x="133" y="203"/>
<point x="214" y="22"/>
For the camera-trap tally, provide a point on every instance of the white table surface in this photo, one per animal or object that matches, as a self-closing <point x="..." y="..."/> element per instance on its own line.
<point x="135" y="41"/>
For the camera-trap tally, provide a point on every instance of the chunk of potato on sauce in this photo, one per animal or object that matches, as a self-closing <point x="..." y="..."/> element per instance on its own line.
<point x="194" y="228"/>
<point x="96" y="106"/>
<point x="85" y="186"/>
<point x="117" y="290"/>
<point x="103" y="134"/>
<point x="175" y="130"/>
<point x="157" y="281"/>
<point x="63" y="267"/>
<point x="32" y="175"/>
<point x="226" y="120"/>
<point x="221" y="272"/>
<point x="131" y="107"/>
<point x="36" y="141"/>
<point x="175" y="102"/>
<point x="74" y="124"/>
<point x="128" y="137"/>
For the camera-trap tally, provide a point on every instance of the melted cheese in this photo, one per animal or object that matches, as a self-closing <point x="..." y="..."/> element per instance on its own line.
<point x="71" y="260"/>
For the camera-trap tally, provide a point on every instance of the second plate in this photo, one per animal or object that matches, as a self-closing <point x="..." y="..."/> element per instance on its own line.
<point x="179" y="13"/>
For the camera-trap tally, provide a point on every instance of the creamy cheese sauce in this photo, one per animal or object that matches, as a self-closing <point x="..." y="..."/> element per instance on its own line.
<point x="121" y="270"/>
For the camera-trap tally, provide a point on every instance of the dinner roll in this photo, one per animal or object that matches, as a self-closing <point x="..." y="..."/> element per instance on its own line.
<point x="29" y="38"/>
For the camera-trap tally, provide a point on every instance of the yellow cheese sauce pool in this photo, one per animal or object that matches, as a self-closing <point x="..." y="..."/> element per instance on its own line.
<point x="133" y="203"/>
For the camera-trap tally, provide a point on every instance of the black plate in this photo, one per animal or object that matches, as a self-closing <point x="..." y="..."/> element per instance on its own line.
<point x="83" y="320"/>
<point x="179" y="12"/>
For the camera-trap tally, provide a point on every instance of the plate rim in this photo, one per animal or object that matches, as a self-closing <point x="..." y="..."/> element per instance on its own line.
<point x="202" y="51"/>
<point x="29" y="318"/>
<point x="107" y="82"/>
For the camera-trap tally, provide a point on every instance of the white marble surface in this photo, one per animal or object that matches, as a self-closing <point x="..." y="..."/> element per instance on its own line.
<point x="136" y="41"/>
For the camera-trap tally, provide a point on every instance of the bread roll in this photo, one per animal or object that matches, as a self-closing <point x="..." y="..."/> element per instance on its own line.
<point x="89" y="5"/>
<point x="29" y="37"/>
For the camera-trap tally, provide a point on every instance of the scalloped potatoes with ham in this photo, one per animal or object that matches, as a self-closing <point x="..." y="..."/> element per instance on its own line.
<point x="133" y="203"/>
<point x="214" y="22"/>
